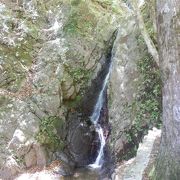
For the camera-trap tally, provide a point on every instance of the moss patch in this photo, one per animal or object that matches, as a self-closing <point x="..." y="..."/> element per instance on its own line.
<point x="81" y="19"/>
<point x="18" y="58"/>
<point x="79" y="74"/>
<point x="146" y="12"/>
<point x="47" y="134"/>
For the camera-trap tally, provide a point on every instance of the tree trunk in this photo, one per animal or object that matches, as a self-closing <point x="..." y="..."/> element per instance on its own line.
<point x="168" y="23"/>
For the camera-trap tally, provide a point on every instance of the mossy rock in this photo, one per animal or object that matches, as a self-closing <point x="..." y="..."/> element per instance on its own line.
<point x="81" y="20"/>
<point x="47" y="134"/>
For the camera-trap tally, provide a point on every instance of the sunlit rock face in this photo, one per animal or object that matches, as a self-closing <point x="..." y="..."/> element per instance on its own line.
<point x="133" y="101"/>
<point x="123" y="82"/>
<point x="49" y="53"/>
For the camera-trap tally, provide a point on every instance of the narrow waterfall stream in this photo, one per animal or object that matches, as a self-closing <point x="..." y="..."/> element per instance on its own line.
<point x="95" y="118"/>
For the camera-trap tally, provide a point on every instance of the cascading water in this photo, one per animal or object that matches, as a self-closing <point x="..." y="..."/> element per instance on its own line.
<point x="94" y="119"/>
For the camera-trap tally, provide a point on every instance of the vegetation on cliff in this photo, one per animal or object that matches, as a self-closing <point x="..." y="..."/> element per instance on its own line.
<point x="53" y="52"/>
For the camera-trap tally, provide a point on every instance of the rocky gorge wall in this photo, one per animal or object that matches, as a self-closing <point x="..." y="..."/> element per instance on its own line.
<point x="50" y="52"/>
<point x="53" y="55"/>
<point x="135" y="86"/>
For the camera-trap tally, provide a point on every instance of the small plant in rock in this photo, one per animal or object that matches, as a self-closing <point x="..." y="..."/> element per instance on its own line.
<point x="81" y="20"/>
<point x="148" y="102"/>
<point x="47" y="134"/>
<point x="147" y="105"/>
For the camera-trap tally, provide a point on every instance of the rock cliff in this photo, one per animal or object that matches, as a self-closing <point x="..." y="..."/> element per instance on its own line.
<point x="50" y="52"/>
<point x="53" y="55"/>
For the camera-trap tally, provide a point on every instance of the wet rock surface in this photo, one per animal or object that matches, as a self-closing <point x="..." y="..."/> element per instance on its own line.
<point x="80" y="139"/>
<point x="83" y="140"/>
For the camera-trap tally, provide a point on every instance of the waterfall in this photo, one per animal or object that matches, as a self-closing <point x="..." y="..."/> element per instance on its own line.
<point x="94" y="119"/>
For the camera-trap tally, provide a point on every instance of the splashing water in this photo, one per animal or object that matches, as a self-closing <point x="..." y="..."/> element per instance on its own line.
<point x="98" y="162"/>
<point x="94" y="119"/>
